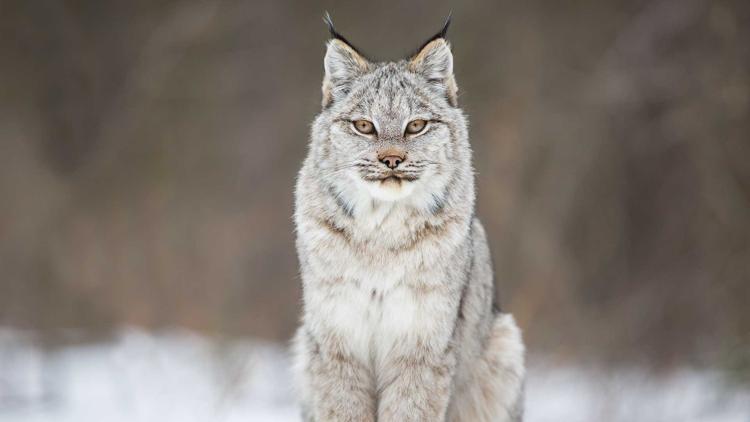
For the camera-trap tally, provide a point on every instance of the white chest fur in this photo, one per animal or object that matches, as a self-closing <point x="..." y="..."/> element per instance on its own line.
<point x="373" y="296"/>
<point x="368" y="308"/>
<point x="375" y="309"/>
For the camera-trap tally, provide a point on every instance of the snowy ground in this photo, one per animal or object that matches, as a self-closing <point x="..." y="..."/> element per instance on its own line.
<point x="179" y="376"/>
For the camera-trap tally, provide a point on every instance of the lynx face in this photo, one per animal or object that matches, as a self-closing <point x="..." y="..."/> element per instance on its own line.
<point x="390" y="131"/>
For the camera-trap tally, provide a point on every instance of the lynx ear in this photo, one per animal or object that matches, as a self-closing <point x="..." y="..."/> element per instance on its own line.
<point x="434" y="61"/>
<point x="342" y="64"/>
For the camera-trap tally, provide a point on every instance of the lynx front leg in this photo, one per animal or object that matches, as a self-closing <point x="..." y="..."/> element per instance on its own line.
<point x="417" y="387"/>
<point x="337" y="387"/>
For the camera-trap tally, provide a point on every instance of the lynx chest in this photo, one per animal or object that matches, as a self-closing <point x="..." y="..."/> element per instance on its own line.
<point x="374" y="309"/>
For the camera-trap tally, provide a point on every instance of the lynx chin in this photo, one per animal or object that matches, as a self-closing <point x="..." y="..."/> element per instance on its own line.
<point x="399" y="322"/>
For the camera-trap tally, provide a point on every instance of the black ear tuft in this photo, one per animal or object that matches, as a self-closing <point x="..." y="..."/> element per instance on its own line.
<point x="335" y="35"/>
<point x="444" y="31"/>
<point x="329" y="23"/>
<point x="439" y="35"/>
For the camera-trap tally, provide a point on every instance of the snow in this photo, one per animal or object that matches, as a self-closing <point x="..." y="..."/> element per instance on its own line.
<point x="181" y="376"/>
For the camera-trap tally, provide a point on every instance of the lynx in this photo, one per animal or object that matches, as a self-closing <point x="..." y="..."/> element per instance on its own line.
<point x="399" y="322"/>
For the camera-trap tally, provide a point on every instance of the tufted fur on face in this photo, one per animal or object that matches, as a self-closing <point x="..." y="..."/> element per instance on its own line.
<point x="391" y="95"/>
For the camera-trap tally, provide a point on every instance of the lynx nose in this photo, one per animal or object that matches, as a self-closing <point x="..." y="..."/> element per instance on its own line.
<point x="392" y="158"/>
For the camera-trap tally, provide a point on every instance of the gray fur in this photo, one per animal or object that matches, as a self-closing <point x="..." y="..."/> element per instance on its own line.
<point x="398" y="320"/>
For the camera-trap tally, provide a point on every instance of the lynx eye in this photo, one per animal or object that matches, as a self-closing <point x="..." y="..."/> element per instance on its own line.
<point x="364" y="127"/>
<point x="415" y="126"/>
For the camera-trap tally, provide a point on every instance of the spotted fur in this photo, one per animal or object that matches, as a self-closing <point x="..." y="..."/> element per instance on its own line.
<point x="398" y="323"/>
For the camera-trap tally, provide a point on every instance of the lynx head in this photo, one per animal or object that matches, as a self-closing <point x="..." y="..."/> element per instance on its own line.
<point x="391" y="131"/>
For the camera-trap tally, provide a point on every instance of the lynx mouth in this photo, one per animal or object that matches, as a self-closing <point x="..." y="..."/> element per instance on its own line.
<point x="389" y="186"/>
<point x="391" y="178"/>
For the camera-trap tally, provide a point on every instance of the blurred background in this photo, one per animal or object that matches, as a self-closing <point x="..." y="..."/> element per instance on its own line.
<point x="148" y="152"/>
